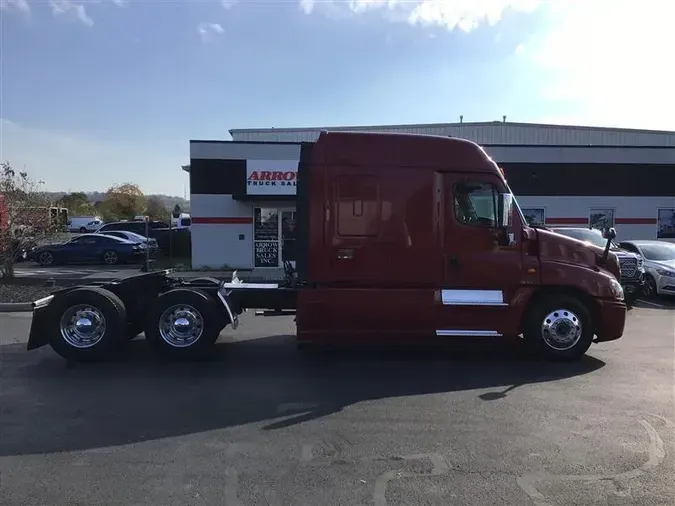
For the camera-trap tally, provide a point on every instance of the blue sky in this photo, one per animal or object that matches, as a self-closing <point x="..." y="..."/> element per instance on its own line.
<point x="101" y="92"/>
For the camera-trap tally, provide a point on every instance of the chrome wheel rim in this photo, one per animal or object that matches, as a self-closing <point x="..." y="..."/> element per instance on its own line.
<point x="110" y="257"/>
<point x="82" y="326"/>
<point x="561" y="329"/>
<point x="181" y="326"/>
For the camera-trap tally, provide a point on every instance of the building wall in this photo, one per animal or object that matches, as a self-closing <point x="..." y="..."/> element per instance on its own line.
<point x="635" y="217"/>
<point x="482" y="133"/>
<point x="226" y="239"/>
<point x="222" y="227"/>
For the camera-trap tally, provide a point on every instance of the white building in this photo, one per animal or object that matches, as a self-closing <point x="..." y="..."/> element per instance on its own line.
<point x="562" y="175"/>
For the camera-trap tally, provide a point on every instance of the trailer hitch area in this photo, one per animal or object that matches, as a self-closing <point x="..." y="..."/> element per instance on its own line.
<point x="223" y="294"/>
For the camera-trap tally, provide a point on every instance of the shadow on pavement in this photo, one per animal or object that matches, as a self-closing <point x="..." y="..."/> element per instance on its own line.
<point x="49" y="406"/>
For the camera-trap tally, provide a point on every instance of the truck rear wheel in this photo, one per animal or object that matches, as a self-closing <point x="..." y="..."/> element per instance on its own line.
<point x="184" y="324"/>
<point x="88" y="324"/>
<point x="559" y="327"/>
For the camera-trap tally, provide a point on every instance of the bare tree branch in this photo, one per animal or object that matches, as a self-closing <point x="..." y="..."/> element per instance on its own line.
<point x="27" y="217"/>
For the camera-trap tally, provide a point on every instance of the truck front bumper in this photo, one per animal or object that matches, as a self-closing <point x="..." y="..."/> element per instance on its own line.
<point x="633" y="286"/>
<point x="611" y="320"/>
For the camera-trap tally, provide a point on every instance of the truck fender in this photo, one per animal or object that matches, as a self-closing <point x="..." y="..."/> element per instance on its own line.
<point x="223" y="298"/>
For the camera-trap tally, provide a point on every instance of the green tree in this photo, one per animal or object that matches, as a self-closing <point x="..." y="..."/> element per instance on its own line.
<point x="155" y="209"/>
<point x="25" y="216"/>
<point x="123" y="202"/>
<point x="77" y="203"/>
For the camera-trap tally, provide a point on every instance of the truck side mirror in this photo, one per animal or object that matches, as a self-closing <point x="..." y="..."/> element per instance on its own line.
<point x="610" y="235"/>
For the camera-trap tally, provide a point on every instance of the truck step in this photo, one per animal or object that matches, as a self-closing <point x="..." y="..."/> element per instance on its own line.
<point x="280" y="312"/>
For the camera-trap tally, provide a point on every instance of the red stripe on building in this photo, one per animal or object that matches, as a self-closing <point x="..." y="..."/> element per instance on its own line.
<point x="635" y="221"/>
<point x="213" y="220"/>
<point x="567" y="221"/>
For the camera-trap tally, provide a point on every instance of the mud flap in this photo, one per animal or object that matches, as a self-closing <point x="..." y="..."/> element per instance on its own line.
<point x="40" y="325"/>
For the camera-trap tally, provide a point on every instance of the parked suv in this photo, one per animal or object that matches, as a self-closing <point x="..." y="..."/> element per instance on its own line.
<point x="632" y="265"/>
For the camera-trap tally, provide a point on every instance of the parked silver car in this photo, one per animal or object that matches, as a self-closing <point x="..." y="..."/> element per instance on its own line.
<point x="659" y="258"/>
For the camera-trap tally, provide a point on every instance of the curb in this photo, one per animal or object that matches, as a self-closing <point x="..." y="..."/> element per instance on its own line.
<point x="16" y="307"/>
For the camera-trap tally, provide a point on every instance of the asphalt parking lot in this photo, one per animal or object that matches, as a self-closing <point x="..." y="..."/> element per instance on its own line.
<point x="265" y="424"/>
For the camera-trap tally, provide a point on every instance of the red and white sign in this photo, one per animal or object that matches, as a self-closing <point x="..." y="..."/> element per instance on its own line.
<point x="271" y="177"/>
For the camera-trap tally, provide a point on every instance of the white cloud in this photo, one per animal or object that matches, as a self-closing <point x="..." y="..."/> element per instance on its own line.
<point x="612" y="61"/>
<point x="72" y="10"/>
<point x="209" y="30"/>
<point x="465" y="15"/>
<point x="15" y="5"/>
<point x="69" y="161"/>
<point x="228" y="4"/>
<point x="121" y="3"/>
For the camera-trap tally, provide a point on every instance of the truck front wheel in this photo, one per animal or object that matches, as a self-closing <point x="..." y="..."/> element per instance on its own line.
<point x="559" y="327"/>
<point x="88" y="324"/>
<point x="184" y="324"/>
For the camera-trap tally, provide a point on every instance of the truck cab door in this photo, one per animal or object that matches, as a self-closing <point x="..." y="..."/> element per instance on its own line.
<point x="483" y="262"/>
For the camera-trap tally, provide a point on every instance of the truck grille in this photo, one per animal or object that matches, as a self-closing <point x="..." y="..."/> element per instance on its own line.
<point x="629" y="268"/>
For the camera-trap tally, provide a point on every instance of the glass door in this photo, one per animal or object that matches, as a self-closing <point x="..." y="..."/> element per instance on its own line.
<point x="266" y="237"/>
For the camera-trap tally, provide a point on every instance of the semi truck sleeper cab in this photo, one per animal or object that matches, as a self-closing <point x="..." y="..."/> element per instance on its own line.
<point x="401" y="238"/>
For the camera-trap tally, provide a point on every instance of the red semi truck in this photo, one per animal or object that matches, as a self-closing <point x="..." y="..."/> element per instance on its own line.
<point x="401" y="238"/>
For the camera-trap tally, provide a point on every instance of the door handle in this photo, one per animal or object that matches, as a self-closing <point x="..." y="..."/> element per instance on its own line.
<point x="453" y="262"/>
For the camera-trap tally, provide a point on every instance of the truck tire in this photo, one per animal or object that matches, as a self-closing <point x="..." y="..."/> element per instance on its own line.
<point x="631" y="299"/>
<point x="559" y="327"/>
<point x="88" y="324"/>
<point x="183" y="324"/>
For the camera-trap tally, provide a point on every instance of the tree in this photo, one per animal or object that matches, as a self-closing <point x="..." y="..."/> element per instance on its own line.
<point x="155" y="209"/>
<point x="77" y="203"/>
<point x="123" y="202"/>
<point x="26" y="217"/>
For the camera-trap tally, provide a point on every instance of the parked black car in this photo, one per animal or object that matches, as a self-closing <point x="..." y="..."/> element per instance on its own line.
<point x="88" y="249"/>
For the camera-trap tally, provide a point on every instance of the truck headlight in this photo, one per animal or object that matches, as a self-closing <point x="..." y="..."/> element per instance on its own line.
<point x="617" y="289"/>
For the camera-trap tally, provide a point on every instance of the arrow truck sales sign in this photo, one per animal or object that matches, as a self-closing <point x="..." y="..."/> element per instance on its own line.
<point x="271" y="177"/>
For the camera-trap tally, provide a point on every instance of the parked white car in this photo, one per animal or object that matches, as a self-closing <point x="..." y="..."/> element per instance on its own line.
<point x="659" y="258"/>
<point x="84" y="224"/>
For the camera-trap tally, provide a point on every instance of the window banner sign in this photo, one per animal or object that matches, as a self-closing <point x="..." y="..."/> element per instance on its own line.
<point x="271" y="177"/>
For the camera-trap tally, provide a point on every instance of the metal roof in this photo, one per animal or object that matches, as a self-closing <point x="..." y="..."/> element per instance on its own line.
<point x="462" y="124"/>
<point x="489" y="132"/>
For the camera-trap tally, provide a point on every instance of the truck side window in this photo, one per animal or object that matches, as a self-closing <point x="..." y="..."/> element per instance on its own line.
<point x="475" y="203"/>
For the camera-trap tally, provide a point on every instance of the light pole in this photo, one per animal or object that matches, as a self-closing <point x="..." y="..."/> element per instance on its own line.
<point x="147" y="244"/>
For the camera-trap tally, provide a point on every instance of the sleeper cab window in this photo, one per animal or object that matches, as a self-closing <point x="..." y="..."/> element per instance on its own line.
<point x="475" y="203"/>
